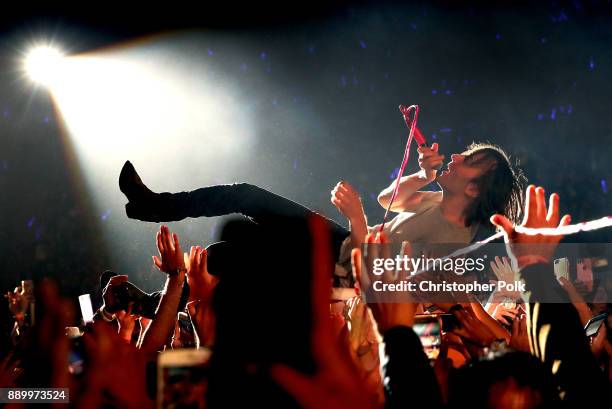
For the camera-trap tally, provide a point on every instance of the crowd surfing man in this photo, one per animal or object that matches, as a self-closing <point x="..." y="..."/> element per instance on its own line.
<point x="477" y="183"/>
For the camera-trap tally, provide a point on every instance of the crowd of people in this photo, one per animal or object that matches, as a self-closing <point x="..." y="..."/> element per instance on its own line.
<point x="282" y="307"/>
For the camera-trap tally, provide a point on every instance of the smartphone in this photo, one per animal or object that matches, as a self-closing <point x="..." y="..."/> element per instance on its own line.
<point x="561" y="266"/>
<point x="592" y="327"/>
<point x="449" y="322"/>
<point x="86" y="308"/>
<point x="76" y="356"/>
<point x="427" y="327"/>
<point x="182" y="378"/>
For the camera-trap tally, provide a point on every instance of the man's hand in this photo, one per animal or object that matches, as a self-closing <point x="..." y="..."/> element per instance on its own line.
<point x="429" y="161"/>
<point x="171" y="257"/>
<point x="389" y="313"/>
<point x="348" y="202"/>
<point x="18" y="303"/>
<point x="127" y="323"/>
<point x="201" y="283"/>
<point x="519" y="339"/>
<point x="506" y="314"/>
<point x="502" y="269"/>
<point x="202" y="286"/>
<point x="524" y="248"/>
<point x="471" y="328"/>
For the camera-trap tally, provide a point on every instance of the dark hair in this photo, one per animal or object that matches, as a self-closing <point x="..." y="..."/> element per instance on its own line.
<point x="500" y="187"/>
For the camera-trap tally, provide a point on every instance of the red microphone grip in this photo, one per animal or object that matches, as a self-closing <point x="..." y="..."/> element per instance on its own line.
<point x="418" y="135"/>
<point x="419" y="138"/>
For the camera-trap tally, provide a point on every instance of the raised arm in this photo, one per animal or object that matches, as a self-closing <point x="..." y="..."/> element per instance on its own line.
<point x="408" y="196"/>
<point x="556" y="335"/>
<point x="348" y="202"/>
<point x="173" y="264"/>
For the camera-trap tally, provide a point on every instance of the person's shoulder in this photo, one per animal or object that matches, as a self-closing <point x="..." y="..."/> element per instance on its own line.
<point x="426" y="201"/>
<point x="431" y="196"/>
<point x="429" y="201"/>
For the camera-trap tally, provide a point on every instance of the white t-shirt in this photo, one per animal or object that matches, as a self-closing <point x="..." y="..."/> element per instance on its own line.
<point x="423" y="224"/>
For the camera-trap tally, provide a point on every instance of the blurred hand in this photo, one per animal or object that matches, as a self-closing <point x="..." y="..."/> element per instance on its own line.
<point x="429" y="161"/>
<point x="334" y="385"/>
<point x="348" y="202"/>
<point x="18" y="302"/>
<point x="505" y="314"/>
<point x="170" y="258"/>
<point x="471" y="328"/>
<point x="524" y="248"/>
<point x="391" y="312"/>
<point x="203" y="319"/>
<point x="127" y="323"/>
<point x="364" y="344"/>
<point x="504" y="272"/>
<point x="9" y="371"/>
<point x="116" y="369"/>
<point x="519" y="339"/>
<point x="584" y="312"/>
<point x="201" y="283"/>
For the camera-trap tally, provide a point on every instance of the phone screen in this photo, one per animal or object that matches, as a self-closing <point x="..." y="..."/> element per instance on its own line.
<point x="182" y="379"/>
<point x="592" y="327"/>
<point x="428" y="330"/>
<point x="561" y="268"/>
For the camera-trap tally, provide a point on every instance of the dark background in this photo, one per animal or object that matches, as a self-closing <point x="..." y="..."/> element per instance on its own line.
<point x="326" y="79"/>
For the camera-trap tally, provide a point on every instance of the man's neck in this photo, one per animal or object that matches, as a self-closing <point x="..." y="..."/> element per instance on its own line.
<point x="452" y="208"/>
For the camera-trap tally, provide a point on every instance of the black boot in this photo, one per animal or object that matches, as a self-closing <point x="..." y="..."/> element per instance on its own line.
<point x="144" y="204"/>
<point x="131" y="185"/>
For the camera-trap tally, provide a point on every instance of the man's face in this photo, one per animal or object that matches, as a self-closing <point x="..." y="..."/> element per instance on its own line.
<point x="462" y="171"/>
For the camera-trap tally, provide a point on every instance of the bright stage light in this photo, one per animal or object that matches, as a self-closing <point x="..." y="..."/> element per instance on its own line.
<point x="43" y="64"/>
<point x="180" y="124"/>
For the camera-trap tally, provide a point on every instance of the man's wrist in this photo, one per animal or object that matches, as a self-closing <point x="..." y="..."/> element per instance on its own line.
<point x="425" y="177"/>
<point x="177" y="272"/>
<point x="177" y="276"/>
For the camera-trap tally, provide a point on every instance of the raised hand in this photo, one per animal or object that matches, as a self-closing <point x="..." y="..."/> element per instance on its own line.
<point x="127" y="323"/>
<point x="201" y="283"/>
<point x="504" y="313"/>
<point x="524" y="248"/>
<point x="347" y="200"/>
<point x="519" y="340"/>
<point x="170" y="258"/>
<point x="18" y="303"/>
<point x="392" y="312"/>
<point x="116" y="370"/>
<point x="471" y="328"/>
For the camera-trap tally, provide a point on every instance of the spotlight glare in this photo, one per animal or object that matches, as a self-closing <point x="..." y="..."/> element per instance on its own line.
<point x="43" y="64"/>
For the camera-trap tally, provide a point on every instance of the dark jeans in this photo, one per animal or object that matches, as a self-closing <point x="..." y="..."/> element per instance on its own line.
<point x="259" y="205"/>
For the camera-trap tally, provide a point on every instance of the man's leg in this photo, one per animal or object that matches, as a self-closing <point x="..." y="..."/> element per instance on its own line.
<point x="259" y="205"/>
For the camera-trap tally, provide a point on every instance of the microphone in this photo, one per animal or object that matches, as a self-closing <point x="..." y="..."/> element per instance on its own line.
<point x="417" y="134"/>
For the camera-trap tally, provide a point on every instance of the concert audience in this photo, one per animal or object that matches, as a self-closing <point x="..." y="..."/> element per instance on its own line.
<point x="276" y="334"/>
